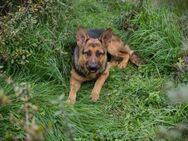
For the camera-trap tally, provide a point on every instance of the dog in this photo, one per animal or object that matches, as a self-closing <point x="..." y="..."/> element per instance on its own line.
<point x="96" y="52"/>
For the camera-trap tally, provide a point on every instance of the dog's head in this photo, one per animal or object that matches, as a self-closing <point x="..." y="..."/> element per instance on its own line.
<point x="93" y="51"/>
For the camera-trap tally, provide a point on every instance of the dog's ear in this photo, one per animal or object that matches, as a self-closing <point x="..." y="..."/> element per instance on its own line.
<point x="81" y="36"/>
<point x="106" y="36"/>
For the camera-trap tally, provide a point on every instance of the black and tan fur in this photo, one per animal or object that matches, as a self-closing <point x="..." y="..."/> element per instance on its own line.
<point x="96" y="51"/>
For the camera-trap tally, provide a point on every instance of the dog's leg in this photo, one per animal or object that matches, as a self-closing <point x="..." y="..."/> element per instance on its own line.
<point x="124" y="62"/>
<point x="113" y="63"/>
<point x="74" y="87"/>
<point x="98" y="85"/>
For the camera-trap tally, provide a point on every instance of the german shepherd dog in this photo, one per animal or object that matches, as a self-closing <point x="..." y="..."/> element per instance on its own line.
<point x="97" y="50"/>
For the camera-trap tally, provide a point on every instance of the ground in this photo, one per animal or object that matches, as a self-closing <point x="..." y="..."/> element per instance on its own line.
<point x="133" y="104"/>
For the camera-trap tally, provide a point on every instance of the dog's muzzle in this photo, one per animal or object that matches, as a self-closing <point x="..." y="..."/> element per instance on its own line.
<point x="93" y="67"/>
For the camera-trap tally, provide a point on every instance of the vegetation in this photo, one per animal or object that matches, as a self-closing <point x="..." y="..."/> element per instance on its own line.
<point x="137" y="103"/>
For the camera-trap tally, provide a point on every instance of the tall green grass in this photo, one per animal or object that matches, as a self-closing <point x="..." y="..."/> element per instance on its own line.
<point x="133" y="104"/>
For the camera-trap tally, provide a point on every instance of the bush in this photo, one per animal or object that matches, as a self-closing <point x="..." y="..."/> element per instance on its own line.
<point x="30" y="31"/>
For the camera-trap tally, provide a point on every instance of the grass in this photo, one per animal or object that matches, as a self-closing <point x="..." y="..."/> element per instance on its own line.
<point x="133" y="104"/>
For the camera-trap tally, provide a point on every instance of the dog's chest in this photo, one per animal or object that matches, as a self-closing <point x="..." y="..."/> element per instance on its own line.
<point x="92" y="76"/>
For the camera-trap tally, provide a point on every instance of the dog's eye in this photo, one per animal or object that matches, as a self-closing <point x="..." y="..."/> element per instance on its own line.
<point x="88" y="53"/>
<point x="98" y="53"/>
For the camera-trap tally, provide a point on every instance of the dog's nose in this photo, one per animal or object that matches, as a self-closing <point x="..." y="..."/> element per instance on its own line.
<point x="93" y="67"/>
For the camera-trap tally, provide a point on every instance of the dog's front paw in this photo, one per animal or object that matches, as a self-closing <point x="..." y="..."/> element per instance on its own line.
<point x="122" y="65"/>
<point x="94" y="96"/>
<point x="71" y="101"/>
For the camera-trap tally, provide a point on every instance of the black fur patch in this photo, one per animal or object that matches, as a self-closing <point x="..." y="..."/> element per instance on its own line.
<point x="95" y="33"/>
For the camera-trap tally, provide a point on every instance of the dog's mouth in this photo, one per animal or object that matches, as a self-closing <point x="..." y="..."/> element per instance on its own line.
<point x="93" y="70"/>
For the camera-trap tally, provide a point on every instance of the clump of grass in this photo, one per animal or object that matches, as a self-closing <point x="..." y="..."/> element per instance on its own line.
<point x="157" y="39"/>
<point x="179" y="132"/>
<point x="176" y="96"/>
<point x="158" y="35"/>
